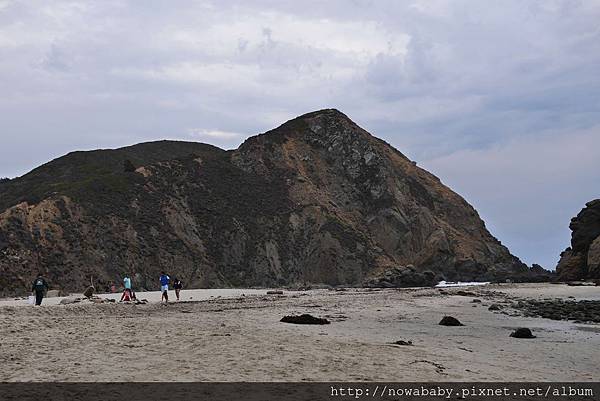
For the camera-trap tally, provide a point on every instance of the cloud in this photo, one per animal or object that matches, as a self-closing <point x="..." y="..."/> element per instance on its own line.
<point x="223" y="139"/>
<point x="214" y="134"/>
<point x="464" y="87"/>
<point x="55" y="60"/>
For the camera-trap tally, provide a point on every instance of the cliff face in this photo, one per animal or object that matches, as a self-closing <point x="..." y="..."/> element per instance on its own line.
<point x="317" y="200"/>
<point x="582" y="259"/>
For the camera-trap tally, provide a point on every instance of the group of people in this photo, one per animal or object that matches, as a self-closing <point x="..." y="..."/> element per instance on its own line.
<point x="165" y="280"/>
<point x="40" y="286"/>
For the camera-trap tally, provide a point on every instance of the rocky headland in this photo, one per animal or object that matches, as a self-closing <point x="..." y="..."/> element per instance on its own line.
<point x="582" y="259"/>
<point x="316" y="200"/>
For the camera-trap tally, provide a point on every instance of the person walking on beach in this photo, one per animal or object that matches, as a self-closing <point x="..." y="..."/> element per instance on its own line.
<point x="164" y="286"/>
<point x="38" y="287"/>
<point x="177" y="286"/>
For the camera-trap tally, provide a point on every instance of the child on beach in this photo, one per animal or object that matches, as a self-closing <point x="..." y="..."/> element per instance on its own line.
<point x="177" y="286"/>
<point x="127" y="285"/>
<point x="164" y="286"/>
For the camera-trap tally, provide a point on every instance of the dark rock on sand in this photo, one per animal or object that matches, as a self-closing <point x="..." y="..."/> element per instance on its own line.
<point x="463" y="293"/>
<point x="403" y="342"/>
<point x="522" y="332"/>
<point x="89" y="292"/>
<point x="304" y="319"/>
<point x="450" y="321"/>
<point x="275" y="292"/>
<point x="495" y="307"/>
<point x="558" y="309"/>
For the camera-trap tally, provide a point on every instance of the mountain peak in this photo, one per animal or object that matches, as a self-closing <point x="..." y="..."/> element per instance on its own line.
<point x="326" y="113"/>
<point x="325" y="122"/>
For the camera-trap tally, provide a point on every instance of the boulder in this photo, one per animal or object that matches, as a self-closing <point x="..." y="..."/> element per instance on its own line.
<point x="89" y="292"/>
<point x="495" y="307"/>
<point x="304" y="319"/>
<point x="450" y="321"/>
<point x="522" y="332"/>
<point x="275" y="292"/>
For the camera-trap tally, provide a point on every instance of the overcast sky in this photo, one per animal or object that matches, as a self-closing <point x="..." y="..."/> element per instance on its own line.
<point x="501" y="100"/>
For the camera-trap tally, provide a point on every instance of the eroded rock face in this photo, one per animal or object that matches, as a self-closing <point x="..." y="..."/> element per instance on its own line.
<point x="316" y="200"/>
<point x="593" y="258"/>
<point x="582" y="259"/>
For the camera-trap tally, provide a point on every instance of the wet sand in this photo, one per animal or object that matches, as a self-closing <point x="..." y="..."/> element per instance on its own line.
<point x="231" y="337"/>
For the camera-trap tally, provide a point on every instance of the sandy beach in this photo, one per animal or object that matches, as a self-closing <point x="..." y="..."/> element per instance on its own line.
<point x="236" y="335"/>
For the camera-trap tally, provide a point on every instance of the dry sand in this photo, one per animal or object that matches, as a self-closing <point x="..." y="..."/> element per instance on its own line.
<point x="240" y="338"/>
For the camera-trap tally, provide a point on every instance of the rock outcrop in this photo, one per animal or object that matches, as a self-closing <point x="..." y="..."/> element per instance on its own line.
<point x="582" y="259"/>
<point x="316" y="200"/>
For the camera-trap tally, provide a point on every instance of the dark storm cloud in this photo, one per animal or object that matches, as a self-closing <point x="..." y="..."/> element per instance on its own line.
<point x="500" y="99"/>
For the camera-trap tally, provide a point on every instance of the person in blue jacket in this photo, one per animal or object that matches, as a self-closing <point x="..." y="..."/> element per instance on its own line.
<point x="164" y="286"/>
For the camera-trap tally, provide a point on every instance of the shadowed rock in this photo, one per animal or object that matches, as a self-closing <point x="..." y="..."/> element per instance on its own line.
<point x="522" y="332"/>
<point x="304" y="319"/>
<point x="582" y="259"/>
<point x="89" y="292"/>
<point x="450" y="321"/>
